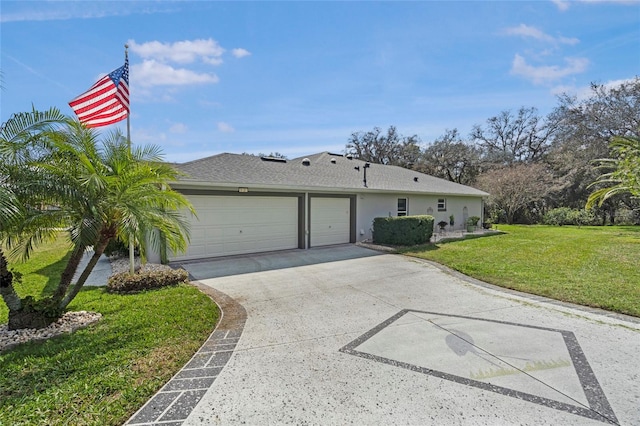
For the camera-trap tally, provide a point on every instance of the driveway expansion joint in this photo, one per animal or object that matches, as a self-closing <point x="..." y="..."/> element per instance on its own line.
<point x="178" y="397"/>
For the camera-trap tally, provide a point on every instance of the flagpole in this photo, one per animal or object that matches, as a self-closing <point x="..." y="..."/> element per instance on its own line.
<point x="132" y="263"/>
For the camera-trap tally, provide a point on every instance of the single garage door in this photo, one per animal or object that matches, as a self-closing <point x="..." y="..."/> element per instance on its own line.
<point x="330" y="221"/>
<point x="228" y="225"/>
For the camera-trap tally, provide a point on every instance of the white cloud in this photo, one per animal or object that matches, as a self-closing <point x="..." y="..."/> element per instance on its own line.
<point x="564" y="4"/>
<point x="625" y="2"/>
<point x="548" y="73"/>
<point x="225" y="128"/>
<point x="533" y="32"/>
<point x="59" y="11"/>
<point x="240" y="53"/>
<point x="561" y="4"/>
<point x="182" y="52"/>
<point x="140" y="136"/>
<point x="178" y="128"/>
<point x="584" y="92"/>
<point x="153" y="73"/>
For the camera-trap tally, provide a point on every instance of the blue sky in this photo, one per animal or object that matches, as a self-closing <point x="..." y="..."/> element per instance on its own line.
<point x="300" y="77"/>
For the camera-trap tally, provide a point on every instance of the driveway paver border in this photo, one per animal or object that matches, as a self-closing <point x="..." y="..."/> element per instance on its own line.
<point x="178" y="397"/>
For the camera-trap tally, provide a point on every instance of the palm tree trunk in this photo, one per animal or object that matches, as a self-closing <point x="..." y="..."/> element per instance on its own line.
<point x="7" y="291"/>
<point x="68" y="273"/>
<point x="98" y="250"/>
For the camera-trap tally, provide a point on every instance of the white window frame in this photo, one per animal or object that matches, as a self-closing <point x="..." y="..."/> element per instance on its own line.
<point x="442" y="204"/>
<point x="404" y="212"/>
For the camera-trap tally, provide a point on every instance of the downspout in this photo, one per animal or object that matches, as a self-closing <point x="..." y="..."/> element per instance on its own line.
<point x="307" y="219"/>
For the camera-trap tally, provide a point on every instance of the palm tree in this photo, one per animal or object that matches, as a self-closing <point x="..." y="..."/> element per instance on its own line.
<point x="101" y="192"/>
<point x="20" y="137"/>
<point x="625" y="174"/>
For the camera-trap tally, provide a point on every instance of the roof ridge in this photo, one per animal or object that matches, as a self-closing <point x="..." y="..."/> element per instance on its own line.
<point x="198" y="160"/>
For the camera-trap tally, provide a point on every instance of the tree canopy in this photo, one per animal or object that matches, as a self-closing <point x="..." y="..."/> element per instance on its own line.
<point x="568" y="143"/>
<point x="385" y="148"/>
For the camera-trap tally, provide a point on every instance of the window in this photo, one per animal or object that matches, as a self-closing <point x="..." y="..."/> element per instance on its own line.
<point x="402" y="206"/>
<point x="442" y="204"/>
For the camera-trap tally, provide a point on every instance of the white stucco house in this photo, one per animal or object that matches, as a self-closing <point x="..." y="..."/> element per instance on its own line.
<point x="249" y="204"/>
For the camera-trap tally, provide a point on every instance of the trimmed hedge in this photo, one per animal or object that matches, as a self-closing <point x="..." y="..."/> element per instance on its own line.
<point x="403" y="230"/>
<point x="124" y="282"/>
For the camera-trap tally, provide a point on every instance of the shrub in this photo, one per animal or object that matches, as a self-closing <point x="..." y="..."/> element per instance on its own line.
<point x="627" y="217"/>
<point x="473" y="220"/>
<point x="403" y="230"/>
<point x="567" y="216"/>
<point x="124" y="282"/>
<point x="118" y="249"/>
<point x="558" y="217"/>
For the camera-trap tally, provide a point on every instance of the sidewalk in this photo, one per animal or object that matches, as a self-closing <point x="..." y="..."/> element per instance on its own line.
<point x="101" y="272"/>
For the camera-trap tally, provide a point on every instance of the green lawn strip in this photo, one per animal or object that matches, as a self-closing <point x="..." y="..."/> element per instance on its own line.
<point x="102" y="374"/>
<point x="592" y="266"/>
<point x="41" y="273"/>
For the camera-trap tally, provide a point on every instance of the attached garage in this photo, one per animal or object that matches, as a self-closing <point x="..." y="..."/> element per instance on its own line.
<point x="250" y="204"/>
<point x="329" y="221"/>
<point x="236" y="224"/>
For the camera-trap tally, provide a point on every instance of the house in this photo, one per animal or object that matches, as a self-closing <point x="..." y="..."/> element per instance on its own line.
<point x="249" y="204"/>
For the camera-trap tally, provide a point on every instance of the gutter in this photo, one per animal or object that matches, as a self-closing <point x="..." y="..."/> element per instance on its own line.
<point x="234" y="187"/>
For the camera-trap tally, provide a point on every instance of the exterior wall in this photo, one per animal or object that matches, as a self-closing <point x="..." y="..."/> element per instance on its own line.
<point x="364" y="208"/>
<point x="370" y="206"/>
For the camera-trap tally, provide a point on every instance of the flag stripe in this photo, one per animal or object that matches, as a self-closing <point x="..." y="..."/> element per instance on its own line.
<point x="100" y="110"/>
<point x="111" y="109"/>
<point x="106" y="102"/>
<point x="102" y="86"/>
<point x="90" y="108"/>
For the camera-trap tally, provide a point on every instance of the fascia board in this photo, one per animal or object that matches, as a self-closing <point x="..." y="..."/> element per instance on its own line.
<point x="192" y="184"/>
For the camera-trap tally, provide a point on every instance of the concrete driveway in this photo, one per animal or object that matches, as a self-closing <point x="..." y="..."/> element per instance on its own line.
<point x="347" y="335"/>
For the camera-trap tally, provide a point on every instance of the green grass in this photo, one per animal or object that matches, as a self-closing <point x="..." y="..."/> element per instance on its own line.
<point x="102" y="374"/>
<point x="591" y="266"/>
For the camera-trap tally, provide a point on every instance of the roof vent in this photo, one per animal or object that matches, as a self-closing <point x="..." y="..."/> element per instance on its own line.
<point x="274" y="159"/>
<point x="333" y="161"/>
<point x="306" y="162"/>
<point x="415" y="179"/>
<point x="349" y="157"/>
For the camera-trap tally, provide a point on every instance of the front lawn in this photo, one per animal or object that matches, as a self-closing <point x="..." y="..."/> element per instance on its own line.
<point x="592" y="266"/>
<point x="101" y="374"/>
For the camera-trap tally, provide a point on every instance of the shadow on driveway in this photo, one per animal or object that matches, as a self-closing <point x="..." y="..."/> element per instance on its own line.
<point x="246" y="264"/>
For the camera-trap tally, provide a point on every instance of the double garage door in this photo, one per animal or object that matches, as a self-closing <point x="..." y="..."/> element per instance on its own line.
<point x="231" y="225"/>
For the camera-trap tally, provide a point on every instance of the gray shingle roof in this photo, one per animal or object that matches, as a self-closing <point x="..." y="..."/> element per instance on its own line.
<point x="325" y="172"/>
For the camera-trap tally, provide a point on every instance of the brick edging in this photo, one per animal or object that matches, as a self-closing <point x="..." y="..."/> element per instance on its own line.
<point x="173" y="403"/>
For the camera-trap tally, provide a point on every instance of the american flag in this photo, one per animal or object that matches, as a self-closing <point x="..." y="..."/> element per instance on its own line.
<point x="107" y="101"/>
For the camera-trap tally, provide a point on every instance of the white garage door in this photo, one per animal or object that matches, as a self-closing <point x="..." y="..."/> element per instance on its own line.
<point x="330" y="221"/>
<point x="228" y="225"/>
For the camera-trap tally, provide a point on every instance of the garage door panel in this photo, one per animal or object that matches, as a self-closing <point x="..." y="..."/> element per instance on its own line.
<point x="330" y="221"/>
<point x="228" y="225"/>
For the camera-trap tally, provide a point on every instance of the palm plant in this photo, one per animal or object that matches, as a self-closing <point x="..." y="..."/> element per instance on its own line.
<point x="625" y="174"/>
<point x="100" y="192"/>
<point x="20" y="139"/>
